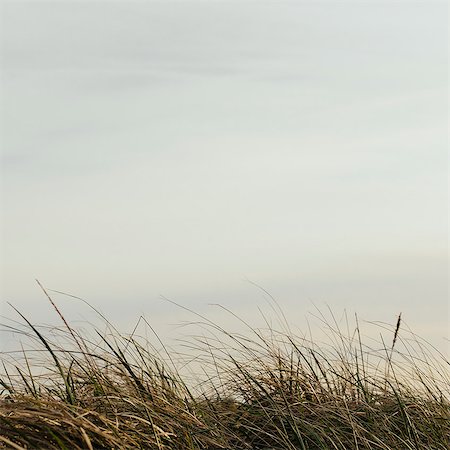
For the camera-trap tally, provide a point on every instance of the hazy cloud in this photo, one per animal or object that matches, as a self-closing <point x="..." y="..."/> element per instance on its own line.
<point x="178" y="147"/>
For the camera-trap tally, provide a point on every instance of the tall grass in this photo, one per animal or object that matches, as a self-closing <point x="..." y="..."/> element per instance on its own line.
<point x="261" y="389"/>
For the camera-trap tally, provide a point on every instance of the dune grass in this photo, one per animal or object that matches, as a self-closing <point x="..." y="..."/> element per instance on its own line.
<point x="262" y="389"/>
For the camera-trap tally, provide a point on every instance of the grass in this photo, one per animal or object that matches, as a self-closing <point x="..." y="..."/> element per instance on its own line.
<point x="262" y="389"/>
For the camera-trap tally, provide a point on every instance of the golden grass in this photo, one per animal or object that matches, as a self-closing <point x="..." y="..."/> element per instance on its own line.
<point x="264" y="389"/>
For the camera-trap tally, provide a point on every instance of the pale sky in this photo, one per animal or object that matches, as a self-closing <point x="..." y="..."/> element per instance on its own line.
<point x="180" y="148"/>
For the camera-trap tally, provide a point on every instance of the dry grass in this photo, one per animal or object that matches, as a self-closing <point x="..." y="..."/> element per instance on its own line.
<point x="265" y="389"/>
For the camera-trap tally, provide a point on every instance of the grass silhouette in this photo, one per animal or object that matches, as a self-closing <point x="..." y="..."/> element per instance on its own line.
<point x="261" y="389"/>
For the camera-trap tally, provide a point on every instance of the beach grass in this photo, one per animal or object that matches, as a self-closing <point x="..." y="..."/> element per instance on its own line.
<point x="265" y="388"/>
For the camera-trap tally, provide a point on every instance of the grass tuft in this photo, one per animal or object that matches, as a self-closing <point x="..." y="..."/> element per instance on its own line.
<point x="263" y="389"/>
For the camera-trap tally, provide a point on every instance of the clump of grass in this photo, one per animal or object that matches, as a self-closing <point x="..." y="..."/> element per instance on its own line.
<point x="262" y="389"/>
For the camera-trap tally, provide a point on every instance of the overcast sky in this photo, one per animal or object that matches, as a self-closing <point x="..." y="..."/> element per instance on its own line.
<point x="179" y="149"/>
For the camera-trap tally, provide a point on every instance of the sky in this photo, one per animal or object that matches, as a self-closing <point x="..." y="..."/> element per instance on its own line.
<point x="190" y="150"/>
